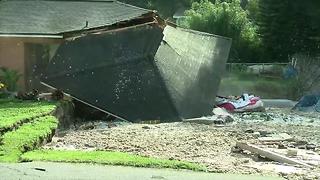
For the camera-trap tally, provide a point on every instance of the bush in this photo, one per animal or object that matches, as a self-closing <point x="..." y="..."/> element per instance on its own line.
<point x="237" y="68"/>
<point x="2" y="89"/>
<point x="9" y="78"/>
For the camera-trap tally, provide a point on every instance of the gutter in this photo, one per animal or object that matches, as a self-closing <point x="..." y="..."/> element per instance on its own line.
<point x="31" y="36"/>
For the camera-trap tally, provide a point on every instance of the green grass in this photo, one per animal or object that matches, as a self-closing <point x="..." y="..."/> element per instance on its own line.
<point x="13" y="112"/>
<point x="108" y="158"/>
<point x="265" y="87"/>
<point x="25" y="138"/>
<point x="29" y="134"/>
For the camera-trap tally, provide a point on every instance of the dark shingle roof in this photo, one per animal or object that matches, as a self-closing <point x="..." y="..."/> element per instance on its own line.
<point x="56" y="17"/>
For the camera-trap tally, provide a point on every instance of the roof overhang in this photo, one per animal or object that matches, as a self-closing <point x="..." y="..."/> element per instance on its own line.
<point x="55" y="17"/>
<point x="145" y="19"/>
<point x="32" y="36"/>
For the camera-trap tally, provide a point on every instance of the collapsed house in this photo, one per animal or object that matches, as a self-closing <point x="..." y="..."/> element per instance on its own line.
<point x="124" y="60"/>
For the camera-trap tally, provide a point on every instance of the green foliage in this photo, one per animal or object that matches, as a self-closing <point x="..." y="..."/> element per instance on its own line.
<point x="284" y="27"/>
<point x="9" y="78"/>
<point x="253" y="10"/>
<point x="226" y="19"/>
<point x="3" y="90"/>
<point x="25" y="138"/>
<point x="109" y="158"/>
<point x="270" y="88"/>
<point x="166" y="8"/>
<point x="264" y="86"/>
<point x="13" y="112"/>
<point x="238" y="68"/>
<point x="288" y="27"/>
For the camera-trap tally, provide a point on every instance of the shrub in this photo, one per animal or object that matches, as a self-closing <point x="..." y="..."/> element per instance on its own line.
<point x="10" y="78"/>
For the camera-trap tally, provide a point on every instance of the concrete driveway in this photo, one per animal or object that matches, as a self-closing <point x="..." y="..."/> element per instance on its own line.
<point x="44" y="170"/>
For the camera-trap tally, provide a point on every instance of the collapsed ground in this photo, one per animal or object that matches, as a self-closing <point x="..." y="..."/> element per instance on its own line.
<point x="24" y="125"/>
<point x="27" y="125"/>
<point x="209" y="145"/>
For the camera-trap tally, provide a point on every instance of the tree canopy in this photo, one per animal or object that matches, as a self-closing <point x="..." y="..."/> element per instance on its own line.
<point x="261" y="30"/>
<point x="227" y="19"/>
<point x="288" y="27"/>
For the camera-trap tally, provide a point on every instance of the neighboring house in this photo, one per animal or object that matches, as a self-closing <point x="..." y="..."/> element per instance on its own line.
<point x="31" y="31"/>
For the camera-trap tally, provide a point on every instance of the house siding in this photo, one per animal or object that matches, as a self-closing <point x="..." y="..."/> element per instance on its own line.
<point x="17" y="54"/>
<point x="12" y="57"/>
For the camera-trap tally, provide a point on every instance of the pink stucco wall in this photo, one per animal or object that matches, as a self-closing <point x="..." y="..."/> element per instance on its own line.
<point x="12" y="56"/>
<point x="15" y="54"/>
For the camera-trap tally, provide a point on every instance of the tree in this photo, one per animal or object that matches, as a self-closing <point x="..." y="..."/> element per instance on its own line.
<point x="166" y="8"/>
<point x="226" y="19"/>
<point x="288" y="27"/>
<point x="253" y="9"/>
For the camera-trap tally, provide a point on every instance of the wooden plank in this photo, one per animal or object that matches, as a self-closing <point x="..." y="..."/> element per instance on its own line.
<point x="270" y="155"/>
<point x="203" y="120"/>
<point x="306" y="156"/>
<point x="276" y="137"/>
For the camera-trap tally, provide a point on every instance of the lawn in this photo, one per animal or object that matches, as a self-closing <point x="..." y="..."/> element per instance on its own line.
<point x="108" y="158"/>
<point x="13" y="112"/>
<point x="25" y="138"/>
<point x="17" y="144"/>
<point x="265" y="87"/>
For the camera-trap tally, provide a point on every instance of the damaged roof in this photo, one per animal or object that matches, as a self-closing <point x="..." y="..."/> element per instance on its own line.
<point x="53" y="17"/>
<point x="156" y="75"/>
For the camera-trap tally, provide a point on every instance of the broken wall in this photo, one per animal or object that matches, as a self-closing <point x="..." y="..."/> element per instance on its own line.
<point x="191" y="64"/>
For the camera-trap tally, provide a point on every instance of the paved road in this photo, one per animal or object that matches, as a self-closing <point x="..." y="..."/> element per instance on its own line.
<point x="279" y="103"/>
<point x="43" y="170"/>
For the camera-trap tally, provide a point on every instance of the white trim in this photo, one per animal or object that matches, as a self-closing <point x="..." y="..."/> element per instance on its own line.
<point x="31" y="36"/>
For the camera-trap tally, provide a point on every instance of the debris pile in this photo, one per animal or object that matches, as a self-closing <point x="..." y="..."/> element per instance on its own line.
<point x="243" y="103"/>
<point x="309" y="103"/>
<point x="288" y="156"/>
<point x="212" y="144"/>
<point x="220" y="117"/>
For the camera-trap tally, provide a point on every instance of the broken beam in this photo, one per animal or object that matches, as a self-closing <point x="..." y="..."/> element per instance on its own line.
<point x="270" y="155"/>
